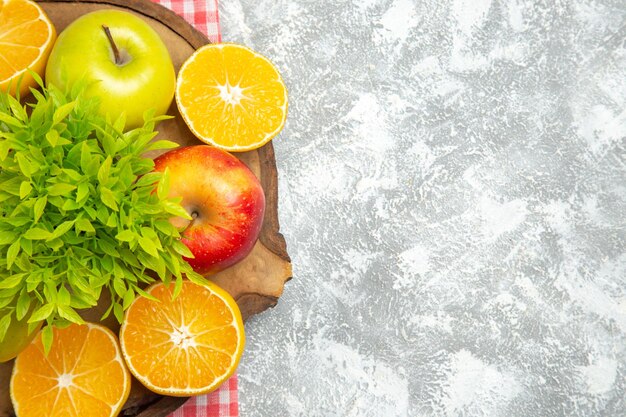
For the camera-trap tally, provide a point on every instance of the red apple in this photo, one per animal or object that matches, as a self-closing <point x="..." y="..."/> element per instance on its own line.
<point x="225" y="200"/>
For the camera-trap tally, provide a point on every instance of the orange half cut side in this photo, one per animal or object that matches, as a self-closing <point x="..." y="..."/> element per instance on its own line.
<point x="83" y="375"/>
<point x="231" y="97"/>
<point x="26" y="38"/>
<point x="186" y="346"/>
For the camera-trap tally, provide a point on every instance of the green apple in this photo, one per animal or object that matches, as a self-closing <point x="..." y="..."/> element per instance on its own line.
<point x="123" y="60"/>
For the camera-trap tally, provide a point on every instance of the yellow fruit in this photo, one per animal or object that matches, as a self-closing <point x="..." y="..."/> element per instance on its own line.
<point x="231" y="97"/>
<point x="184" y="347"/>
<point x="83" y="375"/>
<point x="26" y="39"/>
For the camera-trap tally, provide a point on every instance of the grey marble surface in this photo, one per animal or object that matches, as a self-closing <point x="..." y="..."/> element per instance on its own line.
<point x="453" y="195"/>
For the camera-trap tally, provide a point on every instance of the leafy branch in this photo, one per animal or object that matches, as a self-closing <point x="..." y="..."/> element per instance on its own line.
<point x="81" y="211"/>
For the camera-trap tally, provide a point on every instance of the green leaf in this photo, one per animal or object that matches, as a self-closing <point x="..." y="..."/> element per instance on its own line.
<point x="7" y="237"/>
<point x="112" y="220"/>
<point x="37" y="156"/>
<point x="5" y="147"/>
<point x="118" y="311"/>
<point x="61" y="229"/>
<point x="12" y="281"/>
<point x="81" y="302"/>
<point x="146" y="294"/>
<point x="14" y="249"/>
<point x="41" y="313"/>
<point x="32" y="327"/>
<point x="126" y="236"/>
<point x="196" y="278"/>
<point x="27" y="246"/>
<point x="164" y="185"/>
<point x="37" y="79"/>
<point x="104" y="171"/>
<point x="157" y="264"/>
<point x="182" y="249"/>
<point x="60" y="189"/>
<point x="47" y="336"/>
<point x="108" y="198"/>
<point x="125" y="174"/>
<point x="173" y="264"/>
<point x="25" y="189"/>
<point x="119" y="287"/>
<point x="149" y="180"/>
<point x="167" y="228"/>
<point x="55" y="244"/>
<point x="84" y="225"/>
<point x="178" y="286"/>
<point x="12" y="186"/>
<point x="63" y="296"/>
<point x="26" y="167"/>
<point x="6" y="299"/>
<point x="90" y="212"/>
<point x="70" y="205"/>
<point x="69" y="314"/>
<point x="151" y="234"/>
<point x="120" y="122"/>
<point x="129" y="297"/>
<point x="5" y="322"/>
<point x="162" y="144"/>
<point x="130" y="258"/>
<point x="23" y="305"/>
<point x="175" y="209"/>
<point x="49" y="289"/>
<point x="39" y="207"/>
<point x="82" y="193"/>
<point x="62" y="112"/>
<point x="149" y="246"/>
<point x="53" y="137"/>
<point x="85" y="158"/>
<point x="10" y="121"/>
<point x="37" y="234"/>
<point x="109" y="248"/>
<point x="17" y="109"/>
<point x="118" y="270"/>
<point x="72" y="174"/>
<point x="107" y="312"/>
<point x="17" y="221"/>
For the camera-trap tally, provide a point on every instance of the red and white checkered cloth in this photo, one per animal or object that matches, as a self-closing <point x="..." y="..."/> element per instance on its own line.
<point x="203" y="15"/>
<point x="221" y="403"/>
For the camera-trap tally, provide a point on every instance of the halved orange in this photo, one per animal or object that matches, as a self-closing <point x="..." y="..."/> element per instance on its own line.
<point x="186" y="346"/>
<point x="231" y="97"/>
<point x="83" y="375"/>
<point x="26" y="39"/>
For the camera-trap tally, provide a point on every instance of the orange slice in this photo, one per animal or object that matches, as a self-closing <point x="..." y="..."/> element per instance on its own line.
<point x="83" y="375"/>
<point x="184" y="347"/>
<point x="26" y="39"/>
<point x="231" y="97"/>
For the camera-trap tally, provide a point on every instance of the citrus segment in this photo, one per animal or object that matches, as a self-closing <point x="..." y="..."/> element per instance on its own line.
<point x="83" y="374"/>
<point x="186" y="346"/>
<point x="231" y="97"/>
<point x="26" y="39"/>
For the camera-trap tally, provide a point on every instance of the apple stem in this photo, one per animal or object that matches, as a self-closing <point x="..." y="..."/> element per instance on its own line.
<point x="116" y="52"/>
<point x="194" y="216"/>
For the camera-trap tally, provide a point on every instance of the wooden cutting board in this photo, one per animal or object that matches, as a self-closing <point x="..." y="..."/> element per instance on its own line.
<point x="255" y="283"/>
